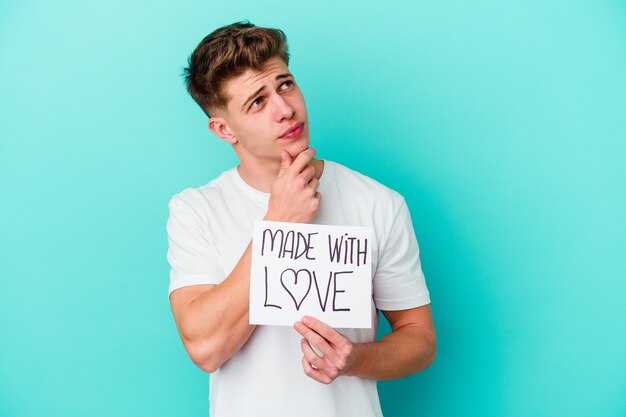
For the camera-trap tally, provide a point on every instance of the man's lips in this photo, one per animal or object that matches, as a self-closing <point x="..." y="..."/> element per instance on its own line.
<point x="293" y="131"/>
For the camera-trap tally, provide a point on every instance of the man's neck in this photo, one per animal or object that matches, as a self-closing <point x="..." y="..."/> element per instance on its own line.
<point x="261" y="178"/>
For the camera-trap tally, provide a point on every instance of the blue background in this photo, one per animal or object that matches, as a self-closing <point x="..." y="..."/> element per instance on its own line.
<point x="502" y="123"/>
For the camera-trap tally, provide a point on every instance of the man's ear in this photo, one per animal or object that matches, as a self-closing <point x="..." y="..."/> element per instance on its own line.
<point x="220" y="128"/>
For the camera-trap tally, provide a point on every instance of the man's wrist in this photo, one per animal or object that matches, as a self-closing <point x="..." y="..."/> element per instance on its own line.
<point x="359" y="355"/>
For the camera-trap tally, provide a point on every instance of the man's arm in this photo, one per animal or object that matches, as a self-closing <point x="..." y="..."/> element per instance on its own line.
<point x="410" y="347"/>
<point x="213" y="320"/>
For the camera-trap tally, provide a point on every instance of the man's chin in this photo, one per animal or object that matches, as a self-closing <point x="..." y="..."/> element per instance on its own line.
<point x="295" y="148"/>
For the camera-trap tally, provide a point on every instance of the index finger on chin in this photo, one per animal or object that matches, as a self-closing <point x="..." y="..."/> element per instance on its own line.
<point x="302" y="159"/>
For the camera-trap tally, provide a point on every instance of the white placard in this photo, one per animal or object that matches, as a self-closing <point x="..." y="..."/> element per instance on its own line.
<point x="314" y="270"/>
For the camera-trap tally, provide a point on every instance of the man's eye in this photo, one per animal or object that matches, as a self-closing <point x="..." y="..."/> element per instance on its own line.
<point x="256" y="103"/>
<point x="287" y="83"/>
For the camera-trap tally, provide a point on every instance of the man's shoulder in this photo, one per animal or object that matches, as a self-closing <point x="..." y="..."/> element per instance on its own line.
<point x="362" y="184"/>
<point x="200" y="195"/>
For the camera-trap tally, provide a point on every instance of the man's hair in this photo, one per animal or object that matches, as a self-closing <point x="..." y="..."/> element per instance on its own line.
<point x="226" y="53"/>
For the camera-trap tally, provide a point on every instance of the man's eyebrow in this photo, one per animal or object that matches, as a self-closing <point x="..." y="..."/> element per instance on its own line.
<point x="285" y="75"/>
<point x="243" y="107"/>
<point x="278" y="77"/>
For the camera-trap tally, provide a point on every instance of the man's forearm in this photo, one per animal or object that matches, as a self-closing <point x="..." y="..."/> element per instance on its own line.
<point x="402" y="352"/>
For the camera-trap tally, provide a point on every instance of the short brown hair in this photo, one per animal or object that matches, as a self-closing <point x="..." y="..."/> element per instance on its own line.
<point x="226" y="53"/>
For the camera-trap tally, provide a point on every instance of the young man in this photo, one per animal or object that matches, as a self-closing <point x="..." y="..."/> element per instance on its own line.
<point x="239" y="75"/>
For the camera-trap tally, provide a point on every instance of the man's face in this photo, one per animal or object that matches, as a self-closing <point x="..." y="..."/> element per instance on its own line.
<point x="263" y="110"/>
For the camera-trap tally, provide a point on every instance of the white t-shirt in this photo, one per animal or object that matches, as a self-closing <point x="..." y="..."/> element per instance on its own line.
<point x="209" y="228"/>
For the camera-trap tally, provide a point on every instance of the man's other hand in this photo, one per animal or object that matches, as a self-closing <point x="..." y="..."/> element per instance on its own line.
<point x="337" y="352"/>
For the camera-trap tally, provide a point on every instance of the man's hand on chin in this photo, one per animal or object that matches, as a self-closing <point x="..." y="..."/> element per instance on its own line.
<point x="293" y="196"/>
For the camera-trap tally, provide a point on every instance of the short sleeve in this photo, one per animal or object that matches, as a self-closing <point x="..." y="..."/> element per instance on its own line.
<point x="399" y="282"/>
<point x="192" y="256"/>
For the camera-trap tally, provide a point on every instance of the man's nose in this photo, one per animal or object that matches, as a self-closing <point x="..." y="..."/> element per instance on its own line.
<point x="284" y="110"/>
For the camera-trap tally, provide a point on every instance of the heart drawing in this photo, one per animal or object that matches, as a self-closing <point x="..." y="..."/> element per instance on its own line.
<point x="296" y="290"/>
